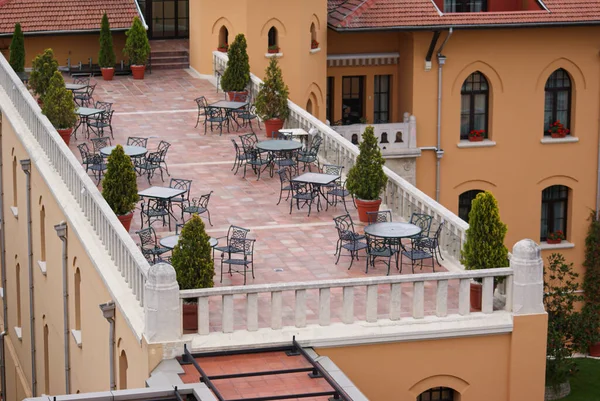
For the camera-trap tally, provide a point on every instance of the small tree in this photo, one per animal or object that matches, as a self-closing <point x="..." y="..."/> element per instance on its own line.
<point x="272" y="99"/>
<point x="484" y="247"/>
<point x="43" y="68"/>
<point x="366" y="178"/>
<point x="119" y="186"/>
<point x="58" y="104"/>
<point x="192" y="258"/>
<point x="17" y="50"/>
<point x="560" y="297"/>
<point x="136" y="45"/>
<point x="237" y="73"/>
<point x="106" y="55"/>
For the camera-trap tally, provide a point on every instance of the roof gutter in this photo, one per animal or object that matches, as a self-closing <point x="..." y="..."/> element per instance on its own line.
<point x="470" y="26"/>
<point x="44" y="33"/>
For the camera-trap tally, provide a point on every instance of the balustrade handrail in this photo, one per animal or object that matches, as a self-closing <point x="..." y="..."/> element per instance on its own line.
<point x="121" y="247"/>
<point x="349" y="282"/>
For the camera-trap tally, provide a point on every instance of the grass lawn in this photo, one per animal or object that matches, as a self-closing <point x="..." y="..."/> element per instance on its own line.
<point x="585" y="385"/>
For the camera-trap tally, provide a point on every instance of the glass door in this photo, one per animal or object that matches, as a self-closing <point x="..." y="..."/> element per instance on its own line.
<point x="352" y="99"/>
<point x="168" y="18"/>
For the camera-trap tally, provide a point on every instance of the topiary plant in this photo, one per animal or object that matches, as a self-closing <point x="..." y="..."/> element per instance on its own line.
<point x="484" y="247"/>
<point x="17" y="50"/>
<point x="119" y="186"/>
<point x="137" y="46"/>
<point x="58" y="104"/>
<point x="106" y="55"/>
<point x="272" y="98"/>
<point x="191" y="257"/>
<point x="237" y="73"/>
<point x="43" y="68"/>
<point x="366" y="178"/>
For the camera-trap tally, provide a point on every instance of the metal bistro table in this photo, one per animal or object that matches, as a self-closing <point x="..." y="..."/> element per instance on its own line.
<point x="229" y="107"/>
<point x="392" y="230"/>
<point x="75" y="87"/>
<point x="162" y="195"/>
<point x="317" y="180"/>
<point x="85" y="113"/>
<point x="131" y="151"/>
<point x="171" y="241"/>
<point x="274" y="146"/>
<point x="296" y="133"/>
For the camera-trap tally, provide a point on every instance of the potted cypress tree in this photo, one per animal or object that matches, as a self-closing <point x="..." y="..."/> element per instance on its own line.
<point x="272" y="99"/>
<point x="17" y="50"/>
<point x="106" y="55"/>
<point x="484" y="247"/>
<point x="193" y="264"/>
<point x="591" y="289"/>
<point x="119" y="186"/>
<point x="59" y="107"/>
<point x="366" y="178"/>
<point x="237" y="73"/>
<point x="137" y="48"/>
<point x="43" y="68"/>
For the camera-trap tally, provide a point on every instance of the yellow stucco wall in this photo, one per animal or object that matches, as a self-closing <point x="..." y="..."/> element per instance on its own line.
<point x="93" y="356"/>
<point x="513" y="365"/>
<point x="304" y="72"/>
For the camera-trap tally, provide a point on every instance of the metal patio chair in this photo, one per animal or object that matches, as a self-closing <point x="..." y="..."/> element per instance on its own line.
<point x="348" y="239"/>
<point x="180" y="183"/>
<point x="242" y="257"/>
<point x="155" y="210"/>
<point x="240" y="157"/>
<point x="202" y="104"/>
<point x="198" y="206"/>
<point x="285" y="176"/>
<point x="417" y="253"/>
<point x="149" y="244"/>
<point x="305" y="194"/>
<point x="380" y="248"/>
<point x="432" y="243"/>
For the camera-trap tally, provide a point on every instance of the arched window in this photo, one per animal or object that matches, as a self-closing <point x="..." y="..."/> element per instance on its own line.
<point x="46" y="361"/>
<point x="474" y="103"/>
<point x="123" y="371"/>
<point x="384" y="138"/>
<point x="555" y="201"/>
<point x="313" y="37"/>
<point x="398" y="137"/>
<point x="77" y="285"/>
<point x="309" y="106"/>
<point x="18" y="279"/>
<point x="43" y="234"/>
<point x="464" y="203"/>
<point x="14" y="181"/>
<point x="223" y="37"/>
<point x="273" y="38"/>
<point x="557" y="103"/>
<point x="437" y="394"/>
<point x="355" y="139"/>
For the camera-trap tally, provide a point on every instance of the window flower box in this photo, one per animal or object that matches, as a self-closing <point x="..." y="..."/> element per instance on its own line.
<point x="223" y="48"/>
<point x="273" y="49"/>
<point x="558" y="130"/>
<point x="555" y="237"/>
<point x="314" y="44"/>
<point x="476" y="135"/>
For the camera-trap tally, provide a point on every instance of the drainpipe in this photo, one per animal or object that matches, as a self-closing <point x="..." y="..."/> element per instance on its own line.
<point x="2" y="365"/>
<point x="108" y="310"/>
<point x="597" y="186"/>
<point x="26" y="166"/>
<point x="61" y="231"/>
<point x="3" y="251"/>
<point x="439" y="152"/>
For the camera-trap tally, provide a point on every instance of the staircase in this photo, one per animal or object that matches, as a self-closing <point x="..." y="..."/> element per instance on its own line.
<point x="169" y="59"/>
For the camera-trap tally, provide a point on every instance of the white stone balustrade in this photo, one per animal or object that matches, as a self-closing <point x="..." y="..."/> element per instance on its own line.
<point x="401" y="197"/>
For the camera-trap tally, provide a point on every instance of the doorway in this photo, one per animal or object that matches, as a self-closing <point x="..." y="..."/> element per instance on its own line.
<point x="352" y="99"/>
<point x="166" y="19"/>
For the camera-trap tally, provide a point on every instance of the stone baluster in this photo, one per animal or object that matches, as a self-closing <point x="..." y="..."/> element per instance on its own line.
<point x="227" y="314"/>
<point x="300" y="308"/>
<point x="252" y="311"/>
<point x="372" y="303"/>
<point x="395" y="301"/>
<point x="348" y="305"/>
<point x="276" y="310"/>
<point x="324" y="306"/>
<point x="464" y="297"/>
<point x="419" y="299"/>
<point x="441" y="298"/>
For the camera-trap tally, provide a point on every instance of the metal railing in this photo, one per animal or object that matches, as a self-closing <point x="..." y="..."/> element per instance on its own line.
<point x="120" y="246"/>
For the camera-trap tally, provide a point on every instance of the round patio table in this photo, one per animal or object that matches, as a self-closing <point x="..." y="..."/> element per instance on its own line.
<point x="275" y="145"/>
<point x="131" y="151"/>
<point x="171" y="241"/>
<point x="392" y="230"/>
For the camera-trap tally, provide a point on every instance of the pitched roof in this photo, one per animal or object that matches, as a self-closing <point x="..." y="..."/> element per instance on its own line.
<point x="415" y="14"/>
<point x="64" y="15"/>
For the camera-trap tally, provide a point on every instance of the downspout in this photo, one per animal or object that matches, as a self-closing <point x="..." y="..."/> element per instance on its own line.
<point x="439" y="152"/>
<point x="2" y="365"/>
<point x="26" y="167"/>
<point x="4" y="279"/>
<point x="61" y="231"/>
<point x="108" y="310"/>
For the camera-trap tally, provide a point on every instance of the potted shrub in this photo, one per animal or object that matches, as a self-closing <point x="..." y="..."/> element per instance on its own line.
<point x="119" y="186"/>
<point x="43" y="68"/>
<point x="193" y="263"/>
<point x="59" y="107"/>
<point x="223" y="47"/>
<point x="484" y="246"/>
<point x="366" y="178"/>
<point x="555" y="237"/>
<point x="558" y="130"/>
<point x="273" y="49"/>
<point x="314" y="44"/>
<point x="272" y="99"/>
<point x="137" y="48"/>
<point x="17" y="50"/>
<point x="106" y="55"/>
<point x="476" y="135"/>
<point x="591" y="289"/>
<point x="237" y="73"/>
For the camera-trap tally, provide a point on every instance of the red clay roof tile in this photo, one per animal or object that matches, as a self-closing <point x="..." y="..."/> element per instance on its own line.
<point x="64" y="15"/>
<point x="377" y="14"/>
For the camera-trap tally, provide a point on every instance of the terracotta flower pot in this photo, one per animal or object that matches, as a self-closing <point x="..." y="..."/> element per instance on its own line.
<point x="222" y="49"/>
<point x="365" y="206"/>
<point x="65" y="134"/>
<point x="594" y="350"/>
<point x="138" y="71"/>
<point x="475" y="139"/>
<point x="476" y="290"/>
<point x="108" y="73"/>
<point x="273" y="51"/>
<point x="557" y="135"/>
<point x="273" y="125"/>
<point x="553" y="241"/>
<point x="231" y="95"/>
<point x="126" y="220"/>
<point x="190" y="317"/>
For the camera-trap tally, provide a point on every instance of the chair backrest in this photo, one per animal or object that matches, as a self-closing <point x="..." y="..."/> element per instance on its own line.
<point x="284" y="175"/>
<point x="236" y="147"/>
<point x="82" y="80"/>
<point x="332" y="169"/>
<point x="99" y="143"/>
<point x="137" y="141"/>
<point x="382" y="216"/>
<point x="180" y="183"/>
<point x="438" y="231"/>
<point x="163" y="145"/>
<point x="213" y="112"/>
<point x="201" y="102"/>
<point x="423" y="221"/>
<point x="203" y="200"/>
<point x="345" y="226"/>
<point x="147" y="237"/>
<point x="377" y="245"/>
<point x="248" y="142"/>
<point x="236" y="237"/>
<point x="178" y="228"/>
<point x="90" y="90"/>
<point x="315" y="145"/>
<point x="103" y="106"/>
<point x="83" y="150"/>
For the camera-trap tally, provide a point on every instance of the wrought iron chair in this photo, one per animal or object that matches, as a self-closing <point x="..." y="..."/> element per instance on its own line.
<point x="160" y="157"/>
<point x="247" y="115"/>
<point x="100" y="122"/>
<point x="82" y="80"/>
<point x="258" y="161"/>
<point x="432" y="243"/>
<point x="92" y="161"/>
<point x="380" y="248"/>
<point x="285" y="176"/>
<point x="202" y="105"/>
<point x="137" y="141"/>
<point x="240" y="157"/>
<point x="345" y="225"/>
<point x="215" y="116"/>
<point x="233" y="237"/>
<point x="304" y="193"/>
<point x="348" y="240"/>
<point x="147" y="164"/>
<point x="241" y="254"/>
<point x="287" y="159"/>
<point x="106" y="106"/>
<point x="381" y="216"/>
<point x="422" y="221"/>
<point x="198" y="206"/>
<point x="311" y="155"/>
<point x="416" y="253"/>
<point x="149" y="244"/>
<point x="155" y="210"/>
<point x="180" y="183"/>
<point x="85" y="98"/>
<point x="99" y="143"/>
<point x="336" y="189"/>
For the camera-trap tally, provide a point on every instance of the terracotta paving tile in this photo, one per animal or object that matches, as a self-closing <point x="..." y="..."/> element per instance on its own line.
<point x="289" y="247"/>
